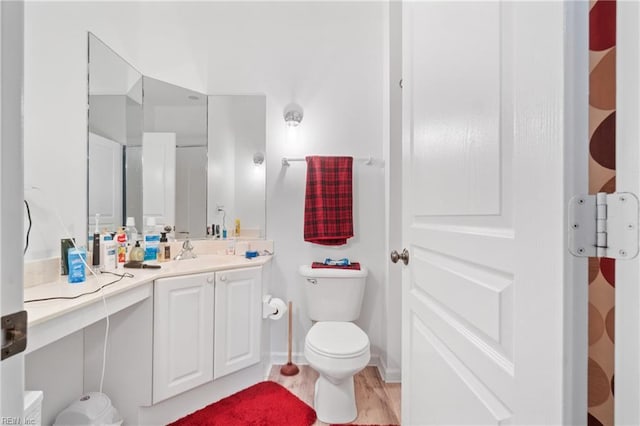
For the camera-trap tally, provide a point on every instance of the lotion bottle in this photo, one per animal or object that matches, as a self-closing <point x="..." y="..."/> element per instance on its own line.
<point x="164" y="250"/>
<point x="108" y="255"/>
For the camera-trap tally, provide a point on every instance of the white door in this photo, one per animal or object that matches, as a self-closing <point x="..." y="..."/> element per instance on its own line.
<point x="182" y="334"/>
<point x="495" y="115"/>
<point x="105" y="180"/>
<point x="627" y="303"/>
<point x="158" y="178"/>
<point x="191" y="191"/>
<point x="11" y="196"/>
<point x="238" y="320"/>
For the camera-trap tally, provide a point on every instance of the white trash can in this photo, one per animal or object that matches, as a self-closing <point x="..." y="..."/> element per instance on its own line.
<point x="93" y="408"/>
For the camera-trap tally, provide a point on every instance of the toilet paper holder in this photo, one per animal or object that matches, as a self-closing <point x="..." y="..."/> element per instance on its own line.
<point x="273" y="307"/>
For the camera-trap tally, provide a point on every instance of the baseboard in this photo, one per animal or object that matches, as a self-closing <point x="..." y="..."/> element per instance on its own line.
<point x="389" y="375"/>
<point x="280" y="358"/>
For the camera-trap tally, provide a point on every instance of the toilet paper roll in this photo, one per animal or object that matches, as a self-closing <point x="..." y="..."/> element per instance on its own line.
<point x="279" y="308"/>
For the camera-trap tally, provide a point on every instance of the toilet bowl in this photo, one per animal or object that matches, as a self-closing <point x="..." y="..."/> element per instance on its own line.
<point x="336" y="350"/>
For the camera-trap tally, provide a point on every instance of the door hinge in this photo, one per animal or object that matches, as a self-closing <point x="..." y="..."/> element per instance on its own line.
<point x="604" y="225"/>
<point x="14" y="334"/>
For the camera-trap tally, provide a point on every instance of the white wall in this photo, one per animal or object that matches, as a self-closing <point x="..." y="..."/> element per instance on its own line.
<point x="328" y="57"/>
<point x="55" y="116"/>
<point x="391" y="356"/>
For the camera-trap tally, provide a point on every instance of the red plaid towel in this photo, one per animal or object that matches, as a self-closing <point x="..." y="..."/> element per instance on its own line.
<point x="328" y="205"/>
<point x="320" y="265"/>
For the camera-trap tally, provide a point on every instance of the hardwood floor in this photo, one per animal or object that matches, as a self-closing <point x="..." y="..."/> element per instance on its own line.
<point x="378" y="402"/>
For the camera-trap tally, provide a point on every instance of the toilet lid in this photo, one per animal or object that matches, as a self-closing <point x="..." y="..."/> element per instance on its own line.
<point x="338" y="339"/>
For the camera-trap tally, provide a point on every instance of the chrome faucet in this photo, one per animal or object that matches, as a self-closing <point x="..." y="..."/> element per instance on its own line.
<point x="186" y="252"/>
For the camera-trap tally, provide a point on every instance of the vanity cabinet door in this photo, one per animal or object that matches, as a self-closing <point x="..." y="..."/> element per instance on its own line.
<point x="182" y="334"/>
<point x="238" y="319"/>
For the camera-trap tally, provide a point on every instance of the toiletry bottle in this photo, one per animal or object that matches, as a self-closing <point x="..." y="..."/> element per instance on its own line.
<point x="132" y="232"/>
<point x="96" y="246"/>
<point x="121" y="239"/>
<point x="162" y="248"/>
<point x="167" y="251"/>
<point x="137" y="253"/>
<point x="108" y="255"/>
<point x="237" y="230"/>
<point x="151" y="241"/>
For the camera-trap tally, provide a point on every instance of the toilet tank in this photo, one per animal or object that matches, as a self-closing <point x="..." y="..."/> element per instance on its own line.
<point x="333" y="294"/>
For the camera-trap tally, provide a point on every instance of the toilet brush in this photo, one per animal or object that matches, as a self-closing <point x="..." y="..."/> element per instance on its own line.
<point x="290" y="369"/>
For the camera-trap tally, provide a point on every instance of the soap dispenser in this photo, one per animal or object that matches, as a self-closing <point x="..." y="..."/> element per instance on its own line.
<point x="137" y="253"/>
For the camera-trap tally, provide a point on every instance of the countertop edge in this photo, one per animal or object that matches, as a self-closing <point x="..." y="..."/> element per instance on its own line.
<point x="41" y="312"/>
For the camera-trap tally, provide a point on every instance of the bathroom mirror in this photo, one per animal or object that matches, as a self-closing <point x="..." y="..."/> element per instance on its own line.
<point x="174" y="153"/>
<point x="237" y="138"/>
<point x="115" y="121"/>
<point x="187" y="160"/>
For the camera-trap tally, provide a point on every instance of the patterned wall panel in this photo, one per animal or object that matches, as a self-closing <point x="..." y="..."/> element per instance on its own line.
<point x="602" y="178"/>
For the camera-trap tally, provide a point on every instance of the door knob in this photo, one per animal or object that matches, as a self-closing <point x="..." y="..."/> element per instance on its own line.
<point x="404" y="256"/>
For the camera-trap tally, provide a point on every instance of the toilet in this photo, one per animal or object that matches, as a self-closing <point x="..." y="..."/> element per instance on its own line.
<point x="334" y="346"/>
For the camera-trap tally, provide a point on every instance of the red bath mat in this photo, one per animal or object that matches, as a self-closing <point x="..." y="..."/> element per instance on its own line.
<point x="265" y="403"/>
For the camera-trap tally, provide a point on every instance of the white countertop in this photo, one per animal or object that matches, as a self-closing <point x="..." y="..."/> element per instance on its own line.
<point x="43" y="314"/>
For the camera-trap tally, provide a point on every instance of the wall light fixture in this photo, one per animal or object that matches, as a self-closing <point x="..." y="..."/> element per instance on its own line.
<point x="293" y="114"/>
<point x="258" y="158"/>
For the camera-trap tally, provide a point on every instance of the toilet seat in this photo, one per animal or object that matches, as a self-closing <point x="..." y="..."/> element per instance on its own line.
<point x="337" y="339"/>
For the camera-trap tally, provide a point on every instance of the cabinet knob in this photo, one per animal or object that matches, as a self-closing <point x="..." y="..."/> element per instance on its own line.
<point x="210" y="279"/>
<point x="223" y="278"/>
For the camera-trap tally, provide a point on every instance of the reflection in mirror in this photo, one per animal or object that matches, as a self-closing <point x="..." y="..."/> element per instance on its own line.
<point x="174" y="151"/>
<point x="236" y="163"/>
<point x="186" y="160"/>
<point x="115" y="122"/>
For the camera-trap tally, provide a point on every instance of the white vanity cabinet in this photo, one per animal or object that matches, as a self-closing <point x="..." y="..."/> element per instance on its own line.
<point x="238" y="319"/>
<point x="180" y="337"/>
<point x="182" y="334"/>
<point x="205" y="326"/>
